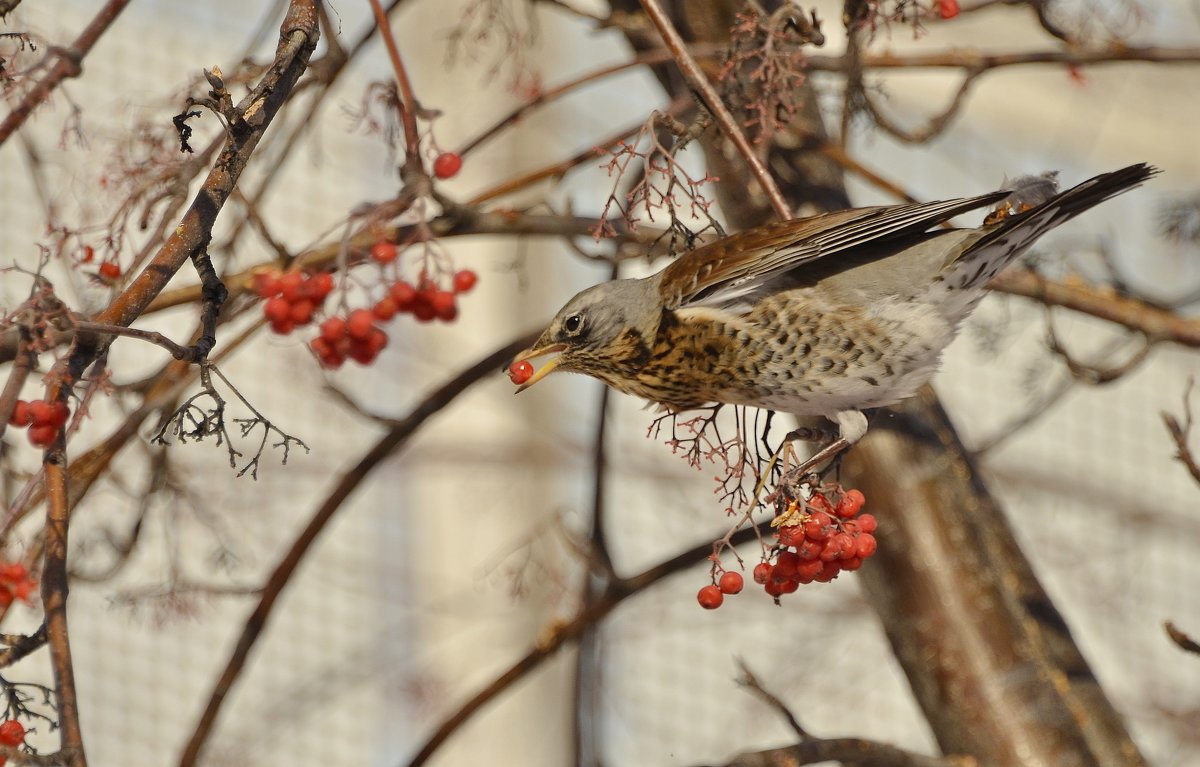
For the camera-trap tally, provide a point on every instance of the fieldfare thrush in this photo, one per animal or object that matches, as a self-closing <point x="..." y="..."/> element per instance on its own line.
<point x="821" y="316"/>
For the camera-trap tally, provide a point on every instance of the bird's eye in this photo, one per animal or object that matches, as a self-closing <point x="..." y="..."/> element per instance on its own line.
<point x="573" y="325"/>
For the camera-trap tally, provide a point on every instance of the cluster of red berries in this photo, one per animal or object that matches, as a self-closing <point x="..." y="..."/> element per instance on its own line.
<point x="15" y="583"/>
<point x="818" y="539"/>
<point x="292" y="298"/>
<point x="818" y="542"/>
<point x="44" y="419"/>
<point x="12" y="733"/>
<point x="713" y="596"/>
<point x="358" y="335"/>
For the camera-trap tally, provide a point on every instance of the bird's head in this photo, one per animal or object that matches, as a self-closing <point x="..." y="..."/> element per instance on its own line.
<point x="606" y="332"/>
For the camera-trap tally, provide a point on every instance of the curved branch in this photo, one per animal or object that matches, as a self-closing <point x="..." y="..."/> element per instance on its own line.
<point x="69" y="64"/>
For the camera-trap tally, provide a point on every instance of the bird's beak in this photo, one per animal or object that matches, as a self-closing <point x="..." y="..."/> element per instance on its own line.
<point x="547" y="367"/>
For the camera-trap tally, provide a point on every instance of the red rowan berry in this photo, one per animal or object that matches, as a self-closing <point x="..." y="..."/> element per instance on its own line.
<point x="730" y="582"/>
<point x="447" y="165"/>
<point x="710" y="597"/>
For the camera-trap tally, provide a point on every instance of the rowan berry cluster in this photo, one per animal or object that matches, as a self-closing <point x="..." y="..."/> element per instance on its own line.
<point x="44" y="419"/>
<point x="359" y="337"/>
<point x="12" y="733"/>
<point x="15" y="583"/>
<point x="292" y="298"/>
<point x="818" y="539"/>
<point x="713" y="596"/>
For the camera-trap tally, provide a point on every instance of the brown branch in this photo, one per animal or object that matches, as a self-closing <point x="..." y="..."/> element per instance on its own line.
<point x="409" y="106"/>
<point x="712" y="101"/>
<point x="394" y="440"/>
<point x="54" y="598"/>
<point x="971" y="60"/>
<point x="465" y="222"/>
<point x="150" y="336"/>
<point x="1156" y="323"/>
<point x="257" y="110"/>
<point x="69" y="64"/>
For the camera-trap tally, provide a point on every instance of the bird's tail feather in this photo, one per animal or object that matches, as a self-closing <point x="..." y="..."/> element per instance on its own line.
<point x="1019" y="228"/>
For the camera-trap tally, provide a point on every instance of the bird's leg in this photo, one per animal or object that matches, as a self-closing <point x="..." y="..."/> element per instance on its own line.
<point x="852" y="425"/>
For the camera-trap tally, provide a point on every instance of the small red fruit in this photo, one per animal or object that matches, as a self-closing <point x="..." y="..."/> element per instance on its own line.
<point x="266" y="284"/>
<point x="464" y="280"/>
<point x="283" y="327"/>
<point x="851" y="503"/>
<point x="320" y="285"/>
<point x="403" y="294"/>
<point x="110" y="270"/>
<point x="42" y="436"/>
<point x="730" y="582"/>
<point x="867" y="523"/>
<point x="809" y="549"/>
<point x="291" y="286"/>
<point x="710" y="597"/>
<point x="277" y="309"/>
<point x="447" y="165"/>
<point x="12" y="733"/>
<point x="444" y="305"/>
<point x="384" y="252"/>
<point x="385" y="309"/>
<point x="422" y="308"/>
<point x="791" y="535"/>
<point x="40" y="413"/>
<point x="21" y="414"/>
<point x="301" y="312"/>
<point x="947" y="9"/>
<point x="818" y="527"/>
<point x="360" y="324"/>
<point x="520" y="372"/>
<point x="333" y="330"/>
<point x="865" y="545"/>
<point x="762" y="573"/>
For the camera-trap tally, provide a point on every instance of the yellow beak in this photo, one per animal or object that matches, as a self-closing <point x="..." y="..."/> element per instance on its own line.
<point x="546" y="368"/>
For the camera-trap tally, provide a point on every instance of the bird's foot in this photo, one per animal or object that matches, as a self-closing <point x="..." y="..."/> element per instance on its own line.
<point x="792" y="479"/>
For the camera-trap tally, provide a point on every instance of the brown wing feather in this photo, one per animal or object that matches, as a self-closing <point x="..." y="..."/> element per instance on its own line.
<point x="758" y="253"/>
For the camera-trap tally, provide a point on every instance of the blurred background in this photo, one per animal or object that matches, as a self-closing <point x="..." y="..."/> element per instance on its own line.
<point x="461" y="552"/>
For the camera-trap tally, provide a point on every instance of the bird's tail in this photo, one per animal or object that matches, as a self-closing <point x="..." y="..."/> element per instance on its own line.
<point x="1028" y="213"/>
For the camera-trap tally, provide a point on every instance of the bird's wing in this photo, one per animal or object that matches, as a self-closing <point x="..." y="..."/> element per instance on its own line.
<point x="720" y="273"/>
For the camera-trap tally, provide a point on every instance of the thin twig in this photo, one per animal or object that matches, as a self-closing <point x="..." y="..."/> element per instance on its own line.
<point x="69" y="64"/>
<point x="1181" y="433"/>
<point x="712" y="101"/>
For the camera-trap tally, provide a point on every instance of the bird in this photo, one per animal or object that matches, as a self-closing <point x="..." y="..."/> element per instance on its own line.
<point x="825" y="316"/>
